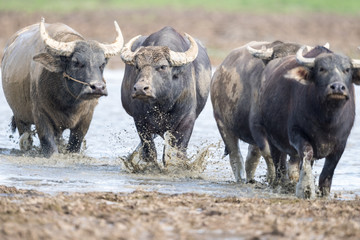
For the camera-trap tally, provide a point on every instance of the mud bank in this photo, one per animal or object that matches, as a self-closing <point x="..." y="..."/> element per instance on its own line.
<point x="26" y="214"/>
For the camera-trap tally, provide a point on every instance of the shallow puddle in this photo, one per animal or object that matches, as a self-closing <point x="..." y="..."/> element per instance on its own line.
<point x="112" y="136"/>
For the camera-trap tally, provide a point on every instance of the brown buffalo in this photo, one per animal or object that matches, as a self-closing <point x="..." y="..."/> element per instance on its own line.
<point x="52" y="77"/>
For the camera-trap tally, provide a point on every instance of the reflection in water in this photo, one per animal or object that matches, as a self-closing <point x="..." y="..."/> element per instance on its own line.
<point x="112" y="138"/>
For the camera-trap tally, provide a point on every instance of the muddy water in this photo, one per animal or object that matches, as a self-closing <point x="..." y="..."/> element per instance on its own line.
<point x="112" y="136"/>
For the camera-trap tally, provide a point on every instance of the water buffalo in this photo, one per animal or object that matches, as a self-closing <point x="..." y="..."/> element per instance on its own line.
<point x="234" y="90"/>
<point x="165" y="87"/>
<point x="52" y="77"/>
<point x="306" y="108"/>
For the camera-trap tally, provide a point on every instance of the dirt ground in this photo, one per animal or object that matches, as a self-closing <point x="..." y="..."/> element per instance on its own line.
<point x="150" y="215"/>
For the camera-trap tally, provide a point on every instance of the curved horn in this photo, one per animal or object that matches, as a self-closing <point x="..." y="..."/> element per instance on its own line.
<point x="309" y="62"/>
<point x="263" y="53"/>
<point x="115" y="47"/>
<point x="61" y="48"/>
<point x="355" y="63"/>
<point x="126" y="54"/>
<point x="182" y="58"/>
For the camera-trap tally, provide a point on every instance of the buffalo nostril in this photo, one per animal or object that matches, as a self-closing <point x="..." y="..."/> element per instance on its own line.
<point x="97" y="87"/>
<point x="338" y="87"/>
<point x="146" y="88"/>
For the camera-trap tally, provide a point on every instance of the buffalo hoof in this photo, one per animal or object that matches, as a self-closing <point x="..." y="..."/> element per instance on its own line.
<point x="271" y="174"/>
<point x="238" y="168"/>
<point x="305" y="188"/>
<point x="325" y="192"/>
<point x="294" y="172"/>
<point x="26" y="141"/>
<point x="135" y="164"/>
<point x="141" y="166"/>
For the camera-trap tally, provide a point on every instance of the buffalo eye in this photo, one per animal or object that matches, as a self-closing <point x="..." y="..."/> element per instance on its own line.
<point x="346" y="70"/>
<point x="322" y="70"/>
<point x="102" y="67"/>
<point x="77" y="63"/>
<point x="161" y="68"/>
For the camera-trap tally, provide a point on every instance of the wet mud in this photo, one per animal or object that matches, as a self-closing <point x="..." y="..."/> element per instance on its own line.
<point x="152" y="215"/>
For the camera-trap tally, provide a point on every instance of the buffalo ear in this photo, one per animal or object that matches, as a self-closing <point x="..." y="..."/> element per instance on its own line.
<point x="299" y="74"/>
<point x="51" y="63"/>
<point x="356" y="76"/>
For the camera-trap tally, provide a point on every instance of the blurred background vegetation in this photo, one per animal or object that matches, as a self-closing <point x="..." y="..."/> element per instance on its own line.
<point x="221" y="25"/>
<point x="259" y="6"/>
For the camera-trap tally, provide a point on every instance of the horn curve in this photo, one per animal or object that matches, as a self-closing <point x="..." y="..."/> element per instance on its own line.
<point x="182" y="58"/>
<point x="309" y="62"/>
<point x="115" y="47"/>
<point x="61" y="48"/>
<point x="67" y="48"/>
<point x="355" y="63"/>
<point x="263" y="53"/>
<point x="126" y="54"/>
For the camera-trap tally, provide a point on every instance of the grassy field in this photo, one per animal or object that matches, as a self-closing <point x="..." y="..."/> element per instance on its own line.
<point x="284" y="6"/>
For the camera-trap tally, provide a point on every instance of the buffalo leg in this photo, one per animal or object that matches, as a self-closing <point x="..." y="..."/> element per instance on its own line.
<point x="294" y="168"/>
<point x="78" y="133"/>
<point x="252" y="161"/>
<point x="260" y="138"/>
<point x="327" y="173"/>
<point x="183" y="133"/>
<point x="180" y="137"/>
<point x="232" y="147"/>
<point x="280" y="163"/>
<point x="148" y="149"/>
<point x="46" y="133"/>
<point x="305" y="188"/>
<point x="24" y="129"/>
<point x="75" y="140"/>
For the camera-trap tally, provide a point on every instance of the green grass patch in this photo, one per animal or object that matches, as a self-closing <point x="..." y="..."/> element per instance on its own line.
<point x="261" y="6"/>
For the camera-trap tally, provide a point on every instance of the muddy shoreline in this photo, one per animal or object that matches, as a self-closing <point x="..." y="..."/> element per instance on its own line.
<point x="27" y="214"/>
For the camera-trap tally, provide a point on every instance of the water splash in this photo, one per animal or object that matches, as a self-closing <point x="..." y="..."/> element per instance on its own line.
<point x="174" y="163"/>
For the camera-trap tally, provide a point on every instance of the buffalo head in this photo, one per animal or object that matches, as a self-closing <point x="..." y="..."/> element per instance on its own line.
<point x="160" y="72"/>
<point x="331" y="74"/>
<point x="80" y="62"/>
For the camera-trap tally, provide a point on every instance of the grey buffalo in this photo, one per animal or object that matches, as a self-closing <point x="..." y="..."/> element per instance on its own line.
<point x="165" y="87"/>
<point x="234" y="91"/>
<point x="52" y="77"/>
<point x="307" y="109"/>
